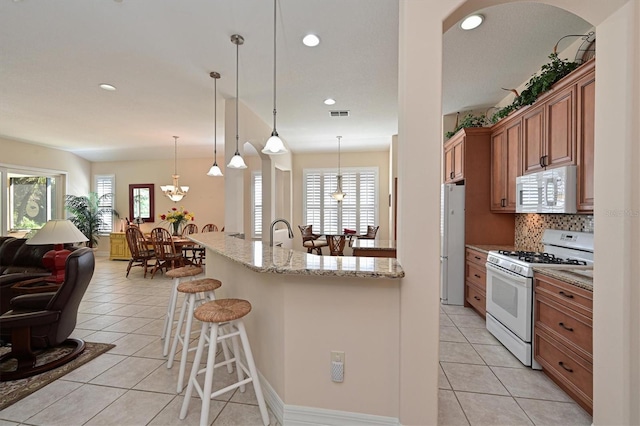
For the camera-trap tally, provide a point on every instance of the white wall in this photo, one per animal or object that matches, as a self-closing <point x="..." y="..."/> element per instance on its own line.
<point x="27" y="155"/>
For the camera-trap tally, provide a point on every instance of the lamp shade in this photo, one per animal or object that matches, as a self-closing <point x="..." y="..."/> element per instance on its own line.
<point x="236" y="162"/>
<point x="215" y="170"/>
<point x="57" y="231"/>
<point x="274" y="145"/>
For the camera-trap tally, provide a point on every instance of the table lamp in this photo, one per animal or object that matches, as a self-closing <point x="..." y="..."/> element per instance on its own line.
<point x="57" y="232"/>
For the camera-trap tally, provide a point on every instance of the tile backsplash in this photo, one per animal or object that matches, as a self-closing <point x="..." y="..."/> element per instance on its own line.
<point x="529" y="227"/>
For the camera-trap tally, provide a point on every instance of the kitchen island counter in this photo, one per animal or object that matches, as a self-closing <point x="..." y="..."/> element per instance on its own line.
<point x="261" y="258"/>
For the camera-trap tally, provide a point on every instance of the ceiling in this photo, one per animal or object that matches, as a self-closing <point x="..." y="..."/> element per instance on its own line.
<point x="159" y="53"/>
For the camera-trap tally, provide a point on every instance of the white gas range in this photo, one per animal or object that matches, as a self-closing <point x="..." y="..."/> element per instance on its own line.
<point x="510" y="286"/>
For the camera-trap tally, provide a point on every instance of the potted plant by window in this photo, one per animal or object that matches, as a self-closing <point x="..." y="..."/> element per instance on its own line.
<point x="89" y="214"/>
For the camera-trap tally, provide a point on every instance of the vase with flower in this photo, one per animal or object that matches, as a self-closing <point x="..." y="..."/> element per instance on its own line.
<point x="177" y="218"/>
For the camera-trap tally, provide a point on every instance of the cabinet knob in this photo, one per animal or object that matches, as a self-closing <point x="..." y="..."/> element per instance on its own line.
<point x="451" y="175"/>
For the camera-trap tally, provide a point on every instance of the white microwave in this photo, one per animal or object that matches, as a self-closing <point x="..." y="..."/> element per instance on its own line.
<point x="548" y="191"/>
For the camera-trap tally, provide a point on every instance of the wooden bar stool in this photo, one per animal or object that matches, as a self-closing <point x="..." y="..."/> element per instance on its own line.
<point x="192" y="290"/>
<point x="213" y="315"/>
<point x="177" y="273"/>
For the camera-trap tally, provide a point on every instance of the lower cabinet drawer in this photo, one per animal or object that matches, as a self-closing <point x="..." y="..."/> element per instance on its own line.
<point x="476" y="275"/>
<point x="565" y="324"/>
<point x="476" y="298"/>
<point x="567" y="369"/>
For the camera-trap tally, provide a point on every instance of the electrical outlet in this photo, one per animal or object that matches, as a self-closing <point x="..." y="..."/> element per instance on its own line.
<point x="337" y="356"/>
<point x="337" y="366"/>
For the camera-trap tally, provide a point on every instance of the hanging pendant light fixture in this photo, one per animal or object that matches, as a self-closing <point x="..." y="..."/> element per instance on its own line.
<point x="274" y="145"/>
<point x="338" y="194"/>
<point x="236" y="161"/>
<point x="175" y="192"/>
<point x="215" y="170"/>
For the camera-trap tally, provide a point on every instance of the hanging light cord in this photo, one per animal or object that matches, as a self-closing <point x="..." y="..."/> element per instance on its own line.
<point x="237" y="98"/>
<point x="339" y="155"/>
<point x="274" y="65"/>
<point x="215" y="118"/>
<point x="175" y="155"/>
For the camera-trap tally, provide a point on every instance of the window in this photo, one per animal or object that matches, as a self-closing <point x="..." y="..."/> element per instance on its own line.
<point x="256" y="204"/>
<point x="29" y="199"/>
<point x="357" y="210"/>
<point x="105" y="185"/>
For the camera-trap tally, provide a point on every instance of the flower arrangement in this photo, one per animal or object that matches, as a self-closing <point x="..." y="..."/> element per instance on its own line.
<point x="177" y="218"/>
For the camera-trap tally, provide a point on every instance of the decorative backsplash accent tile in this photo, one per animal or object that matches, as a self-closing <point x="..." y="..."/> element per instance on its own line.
<point x="529" y="227"/>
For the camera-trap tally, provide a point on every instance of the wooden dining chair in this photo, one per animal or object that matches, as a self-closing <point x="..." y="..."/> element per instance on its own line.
<point x="167" y="257"/>
<point x="336" y="244"/>
<point x="193" y="252"/>
<point x="141" y="254"/>
<point x="209" y="227"/>
<point x="312" y="241"/>
<point x="371" y="233"/>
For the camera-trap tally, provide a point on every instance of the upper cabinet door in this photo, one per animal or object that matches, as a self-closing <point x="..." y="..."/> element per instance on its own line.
<point x="586" y="89"/>
<point x="560" y="112"/>
<point x="533" y="140"/>
<point x="454" y="158"/>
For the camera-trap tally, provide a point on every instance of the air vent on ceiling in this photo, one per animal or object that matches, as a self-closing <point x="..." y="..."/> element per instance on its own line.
<point x="339" y="113"/>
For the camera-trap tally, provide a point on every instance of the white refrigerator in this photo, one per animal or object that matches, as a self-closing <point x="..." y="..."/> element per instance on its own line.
<point x="452" y="250"/>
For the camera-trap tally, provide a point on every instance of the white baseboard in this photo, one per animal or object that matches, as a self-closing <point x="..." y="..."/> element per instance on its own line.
<point x="294" y="415"/>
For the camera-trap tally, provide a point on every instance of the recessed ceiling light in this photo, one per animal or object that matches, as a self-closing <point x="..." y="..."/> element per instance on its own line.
<point x="107" y="87"/>
<point x="329" y="101"/>
<point x="311" y="40"/>
<point x="471" y="22"/>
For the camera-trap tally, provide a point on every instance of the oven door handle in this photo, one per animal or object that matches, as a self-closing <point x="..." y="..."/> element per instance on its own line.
<point x="511" y="276"/>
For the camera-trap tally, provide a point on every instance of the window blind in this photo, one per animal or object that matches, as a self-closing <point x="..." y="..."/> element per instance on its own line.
<point x="356" y="211"/>
<point x="105" y="185"/>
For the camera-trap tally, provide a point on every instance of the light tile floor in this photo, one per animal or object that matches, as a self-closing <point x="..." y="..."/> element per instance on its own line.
<point x="129" y="385"/>
<point x="482" y="383"/>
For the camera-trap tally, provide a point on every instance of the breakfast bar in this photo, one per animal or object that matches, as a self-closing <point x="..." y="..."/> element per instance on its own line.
<point x="304" y="307"/>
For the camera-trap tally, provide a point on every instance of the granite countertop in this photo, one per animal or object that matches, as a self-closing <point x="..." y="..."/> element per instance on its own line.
<point x="261" y="258"/>
<point x="374" y="244"/>
<point x="489" y="247"/>
<point x="582" y="278"/>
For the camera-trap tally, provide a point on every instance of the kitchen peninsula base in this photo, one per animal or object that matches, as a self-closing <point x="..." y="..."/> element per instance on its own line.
<point x="301" y="314"/>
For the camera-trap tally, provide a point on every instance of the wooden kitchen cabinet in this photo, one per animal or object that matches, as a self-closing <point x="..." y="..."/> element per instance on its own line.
<point x="454" y="158"/>
<point x="476" y="280"/>
<point x="549" y="132"/>
<point x="119" y="249"/>
<point x="563" y="336"/>
<point x="585" y="89"/>
<point x="470" y="149"/>
<point x="505" y="165"/>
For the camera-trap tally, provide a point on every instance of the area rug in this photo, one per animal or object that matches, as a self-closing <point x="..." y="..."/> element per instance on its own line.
<point x="14" y="390"/>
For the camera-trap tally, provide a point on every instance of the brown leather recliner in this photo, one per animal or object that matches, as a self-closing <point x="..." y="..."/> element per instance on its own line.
<point x="45" y="320"/>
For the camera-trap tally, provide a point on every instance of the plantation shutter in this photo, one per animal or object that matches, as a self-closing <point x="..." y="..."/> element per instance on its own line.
<point x="257" y="204"/>
<point x="358" y="209"/>
<point x="105" y="185"/>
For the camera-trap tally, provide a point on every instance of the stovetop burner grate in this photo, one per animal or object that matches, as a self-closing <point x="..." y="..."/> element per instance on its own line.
<point x="540" y="257"/>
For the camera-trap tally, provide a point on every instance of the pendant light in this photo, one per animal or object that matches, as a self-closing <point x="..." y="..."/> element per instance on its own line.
<point x="236" y="161"/>
<point x="338" y="194"/>
<point x="175" y="192"/>
<point x="274" y="145"/>
<point x="215" y="170"/>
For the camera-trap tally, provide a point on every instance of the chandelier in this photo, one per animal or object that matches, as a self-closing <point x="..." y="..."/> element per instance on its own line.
<point x="175" y="192"/>
<point x="338" y="194"/>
